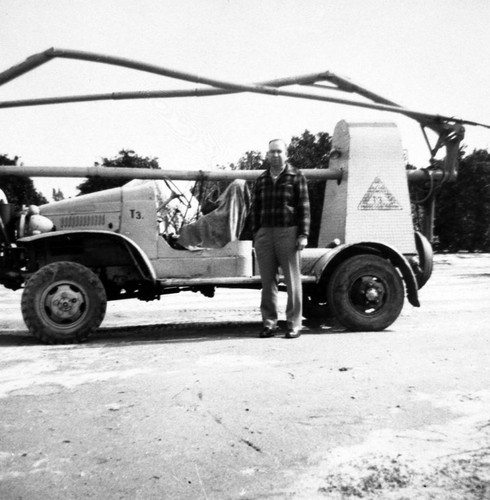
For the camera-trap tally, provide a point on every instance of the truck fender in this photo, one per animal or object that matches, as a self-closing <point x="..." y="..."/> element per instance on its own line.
<point x="42" y="242"/>
<point x="325" y="265"/>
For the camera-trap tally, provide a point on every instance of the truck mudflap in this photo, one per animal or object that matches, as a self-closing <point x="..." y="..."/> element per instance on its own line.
<point x="56" y="241"/>
<point x="322" y="263"/>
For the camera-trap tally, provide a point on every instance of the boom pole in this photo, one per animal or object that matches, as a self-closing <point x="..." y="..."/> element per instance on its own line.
<point x="450" y="130"/>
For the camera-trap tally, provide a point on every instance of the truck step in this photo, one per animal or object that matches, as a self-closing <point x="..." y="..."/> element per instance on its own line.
<point x="231" y="281"/>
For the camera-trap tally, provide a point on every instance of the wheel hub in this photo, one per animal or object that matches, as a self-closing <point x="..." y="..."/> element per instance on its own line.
<point x="372" y="293"/>
<point x="65" y="303"/>
<point x="368" y="294"/>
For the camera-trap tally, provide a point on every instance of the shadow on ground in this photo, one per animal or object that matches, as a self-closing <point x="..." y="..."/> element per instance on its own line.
<point x="172" y="332"/>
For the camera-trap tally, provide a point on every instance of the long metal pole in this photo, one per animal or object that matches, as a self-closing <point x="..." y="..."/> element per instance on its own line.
<point x="12" y="73"/>
<point x="154" y="94"/>
<point x="420" y="175"/>
<point x="150" y="173"/>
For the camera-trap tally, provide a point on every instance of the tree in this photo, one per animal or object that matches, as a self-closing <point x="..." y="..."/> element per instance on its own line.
<point x="463" y="208"/>
<point x="208" y="192"/>
<point x="19" y="190"/>
<point x="126" y="159"/>
<point x="305" y="151"/>
<point x="251" y="160"/>
<point x="58" y="195"/>
<point x="312" y="151"/>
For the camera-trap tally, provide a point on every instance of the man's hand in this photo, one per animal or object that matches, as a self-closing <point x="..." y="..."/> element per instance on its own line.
<point x="301" y="242"/>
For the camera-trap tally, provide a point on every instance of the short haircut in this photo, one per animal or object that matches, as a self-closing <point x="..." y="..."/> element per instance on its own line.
<point x="279" y="140"/>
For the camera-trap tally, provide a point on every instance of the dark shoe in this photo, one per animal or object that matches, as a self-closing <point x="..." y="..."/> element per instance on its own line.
<point x="267" y="332"/>
<point x="293" y="333"/>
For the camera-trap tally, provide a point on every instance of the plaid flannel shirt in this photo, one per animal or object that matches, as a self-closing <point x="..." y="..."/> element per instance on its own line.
<point x="284" y="203"/>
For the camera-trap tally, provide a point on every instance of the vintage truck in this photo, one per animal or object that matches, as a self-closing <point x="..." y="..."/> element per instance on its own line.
<point x="72" y="256"/>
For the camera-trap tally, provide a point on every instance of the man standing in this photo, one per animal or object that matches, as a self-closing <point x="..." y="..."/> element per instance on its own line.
<point x="281" y="217"/>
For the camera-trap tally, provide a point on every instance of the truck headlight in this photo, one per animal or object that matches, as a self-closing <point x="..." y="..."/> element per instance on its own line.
<point x="39" y="224"/>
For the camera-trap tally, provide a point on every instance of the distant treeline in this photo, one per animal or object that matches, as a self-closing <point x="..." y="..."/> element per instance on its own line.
<point x="462" y="219"/>
<point x="462" y="216"/>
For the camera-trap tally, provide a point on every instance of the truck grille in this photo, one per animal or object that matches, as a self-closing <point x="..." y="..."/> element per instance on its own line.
<point x="70" y="221"/>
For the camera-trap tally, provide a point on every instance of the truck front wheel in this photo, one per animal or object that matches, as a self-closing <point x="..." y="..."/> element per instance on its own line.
<point x="63" y="302"/>
<point x="366" y="293"/>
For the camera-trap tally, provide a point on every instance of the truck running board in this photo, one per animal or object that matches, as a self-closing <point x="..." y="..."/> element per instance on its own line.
<point x="224" y="282"/>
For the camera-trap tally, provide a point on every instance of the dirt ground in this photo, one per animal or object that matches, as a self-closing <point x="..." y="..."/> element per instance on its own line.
<point x="179" y="399"/>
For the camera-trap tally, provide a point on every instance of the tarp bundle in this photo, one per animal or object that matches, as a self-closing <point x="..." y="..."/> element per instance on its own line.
<point x="222" y="225"/>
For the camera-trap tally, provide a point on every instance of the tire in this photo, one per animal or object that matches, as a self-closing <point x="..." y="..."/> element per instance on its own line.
<point x="315" y="306"/>
<point x="63" y="302"/>
<point x="366" y="293"/>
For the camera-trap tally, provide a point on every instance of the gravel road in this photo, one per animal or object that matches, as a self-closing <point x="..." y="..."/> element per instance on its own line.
<point x="179" y="399"/>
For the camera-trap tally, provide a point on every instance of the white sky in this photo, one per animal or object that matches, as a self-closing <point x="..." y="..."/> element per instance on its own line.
<point x="428" y="55"/>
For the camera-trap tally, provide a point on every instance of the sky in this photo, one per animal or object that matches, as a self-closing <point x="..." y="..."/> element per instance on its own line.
<point x="427" y="55"/>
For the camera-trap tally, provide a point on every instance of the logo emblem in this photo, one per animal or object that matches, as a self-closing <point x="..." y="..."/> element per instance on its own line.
<point x="378" y="197"/>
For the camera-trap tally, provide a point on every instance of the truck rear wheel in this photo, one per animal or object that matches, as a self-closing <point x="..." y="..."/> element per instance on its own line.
<point x="366" y="293"/>
<point x="63" y="302"/>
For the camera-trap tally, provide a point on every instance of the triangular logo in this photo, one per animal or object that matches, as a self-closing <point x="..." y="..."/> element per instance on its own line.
<point x="378" y="197"/>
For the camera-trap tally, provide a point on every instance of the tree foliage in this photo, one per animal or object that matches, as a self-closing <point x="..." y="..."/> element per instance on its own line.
<point x="251" y="160"/>
<point x="312" y="151"/>
<point x="125" y="159"/>
<point x="19" y="190"/>
<point x="208" y="192"/>
<point x="304" y="152"/>
<point x="462" y="220"/>
<point x="57" y="195"/>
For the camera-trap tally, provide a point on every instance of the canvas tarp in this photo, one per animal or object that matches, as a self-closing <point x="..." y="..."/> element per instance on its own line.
<point x="224" y="224"/>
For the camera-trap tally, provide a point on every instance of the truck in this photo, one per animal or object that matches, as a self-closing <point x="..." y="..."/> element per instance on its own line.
<point x="73" y="256"/>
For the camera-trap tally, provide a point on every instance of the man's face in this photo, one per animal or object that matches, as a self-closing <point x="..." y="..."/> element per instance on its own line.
<point x="277" y="154"/>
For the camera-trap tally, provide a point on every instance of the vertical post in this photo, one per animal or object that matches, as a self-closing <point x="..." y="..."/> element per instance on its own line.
<point x="429" y="216"/>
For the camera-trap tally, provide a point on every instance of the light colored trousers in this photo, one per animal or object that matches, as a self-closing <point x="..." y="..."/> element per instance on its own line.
<point x="276" y="247"/>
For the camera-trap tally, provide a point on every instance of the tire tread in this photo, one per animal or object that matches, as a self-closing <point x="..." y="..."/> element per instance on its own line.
<point x="48" y="273"/>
